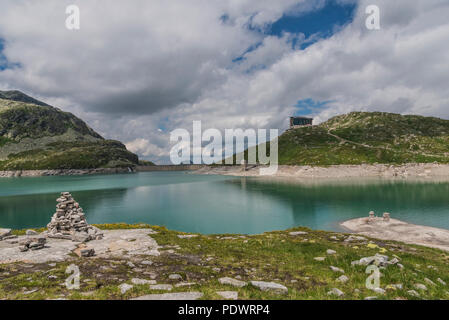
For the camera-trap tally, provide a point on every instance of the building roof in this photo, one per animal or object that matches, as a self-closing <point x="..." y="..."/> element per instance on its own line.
<point x="306" y="118"/>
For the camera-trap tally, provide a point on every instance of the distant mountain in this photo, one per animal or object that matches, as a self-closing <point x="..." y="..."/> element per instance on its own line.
<point x="34" y="135"/>
<point x="367" y="137"/>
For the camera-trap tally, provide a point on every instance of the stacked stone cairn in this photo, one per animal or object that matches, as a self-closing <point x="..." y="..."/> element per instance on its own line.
<point x="70" y="223"/>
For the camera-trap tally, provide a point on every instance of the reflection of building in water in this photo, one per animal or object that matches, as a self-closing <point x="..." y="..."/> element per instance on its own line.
<point x="296" y="122"/>
<point x="243" y="183"/>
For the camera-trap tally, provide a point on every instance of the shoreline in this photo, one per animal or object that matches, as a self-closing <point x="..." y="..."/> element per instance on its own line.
<point x="62" y="172"/>
<point x="404" y="171"/>
<point x="429" y="171"/>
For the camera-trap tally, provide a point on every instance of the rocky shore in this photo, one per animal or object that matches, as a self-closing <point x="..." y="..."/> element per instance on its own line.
<point x="397" y="230"/>
<point x="62" y="172"/>
<point x="411" y="170"/>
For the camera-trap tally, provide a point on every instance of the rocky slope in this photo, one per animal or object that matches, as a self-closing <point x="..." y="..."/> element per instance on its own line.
<point x="36" y="136"/>
<point x="367" y="138"/>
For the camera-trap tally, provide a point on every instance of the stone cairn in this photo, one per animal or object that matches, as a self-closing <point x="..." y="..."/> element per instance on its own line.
<point x="70" y="223"/>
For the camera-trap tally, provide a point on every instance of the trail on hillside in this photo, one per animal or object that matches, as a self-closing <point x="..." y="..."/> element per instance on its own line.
<point x="381" y="148"/>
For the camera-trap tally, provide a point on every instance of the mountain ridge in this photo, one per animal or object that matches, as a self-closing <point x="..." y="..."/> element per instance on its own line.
<point x="35" y="135"/>
<point x="367" y="138"/>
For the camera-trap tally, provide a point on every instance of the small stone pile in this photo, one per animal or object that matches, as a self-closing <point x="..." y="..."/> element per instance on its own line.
<point x="70" y="223"/>
<point x="32" y="243"/>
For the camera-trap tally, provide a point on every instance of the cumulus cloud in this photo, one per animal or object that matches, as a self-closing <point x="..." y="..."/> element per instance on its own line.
<point x="135" y="71"/>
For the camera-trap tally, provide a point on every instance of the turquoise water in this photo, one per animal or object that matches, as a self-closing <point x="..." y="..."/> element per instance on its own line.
<point x="220" y="204"/>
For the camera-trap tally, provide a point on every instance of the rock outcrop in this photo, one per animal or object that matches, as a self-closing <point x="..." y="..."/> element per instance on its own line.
<point x="69" y="222"/>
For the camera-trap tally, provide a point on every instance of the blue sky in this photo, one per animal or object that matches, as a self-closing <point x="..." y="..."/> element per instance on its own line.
<point x="2" y="57"/>
<point x="322" y="21"/>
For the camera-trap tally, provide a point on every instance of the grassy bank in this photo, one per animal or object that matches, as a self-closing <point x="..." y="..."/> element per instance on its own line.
<point x="275" y="256"/>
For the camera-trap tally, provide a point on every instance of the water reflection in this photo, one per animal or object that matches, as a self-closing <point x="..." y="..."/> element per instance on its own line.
<point x="217" y="204"/>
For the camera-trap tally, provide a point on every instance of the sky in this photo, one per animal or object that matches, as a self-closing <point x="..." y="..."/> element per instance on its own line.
<point x="137" y="70"/>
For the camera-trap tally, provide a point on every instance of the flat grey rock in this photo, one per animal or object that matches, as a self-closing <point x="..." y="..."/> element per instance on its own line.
<point x="172" y="296"/>
<point x="298" y="233"/>
<point x="228" y="295"/>
<point x="187" y="236"/>
<point x="166" y="287"/>
<point x="420" y="286"/>
<point x="142" y="281"/>
<point x="175" y="276"/>
<point x="336" y="292"/>
<point x="270" y="286"/>
<point x="232" y="282"/>
<point x="124" y="287"/>
<point x="335" y="269"/>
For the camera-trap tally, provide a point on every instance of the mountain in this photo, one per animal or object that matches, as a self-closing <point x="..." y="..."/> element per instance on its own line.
<point x="367" y="137"/>
<point x="34" y="135"/>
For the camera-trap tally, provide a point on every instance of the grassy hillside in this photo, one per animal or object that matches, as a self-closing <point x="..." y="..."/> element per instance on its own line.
<point x="367" y="137"/>
<point x="34" y="135"/>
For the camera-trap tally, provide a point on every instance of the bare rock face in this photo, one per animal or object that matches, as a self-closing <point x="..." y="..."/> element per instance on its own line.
<point x="69" y="222"/>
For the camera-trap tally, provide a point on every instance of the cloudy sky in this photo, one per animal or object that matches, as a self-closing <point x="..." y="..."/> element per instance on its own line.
<point x="138" y="69"/>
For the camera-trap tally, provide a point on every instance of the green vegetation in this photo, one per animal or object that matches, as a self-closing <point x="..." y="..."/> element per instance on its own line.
<point x="367" y="138"/>
<point x="34" y="135"/>
<point x="76" y="155"/>
<point x="146" y="163"/>
<point x="274" y="256"/>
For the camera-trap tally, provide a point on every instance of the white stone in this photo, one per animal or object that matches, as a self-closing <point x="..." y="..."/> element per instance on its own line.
<point x="413" y="293"/>
<point x="441" y="281"/>
<point x="142" y="281"/>
<point x="335" y="269"/>
<point x="319" y="258"/>
<point x="343" y="279"/>
<point x="298" y="233"/>
<point x="428" y="281"/>
<point x="175" y="277"/>
<point x="185" y="284"/>
<point x="124" y="287"/>
<point x="187" y="236"/>
<point x="330" y="251"/>
<point x="229" y="295"/>
<point x="166" y="287"/>
<point x="336" y="292"/>
<point x="270" y="286"/>
<point x="420" y="286"/>
<point x="172" y="296"/>
<point x="232" y="282"/>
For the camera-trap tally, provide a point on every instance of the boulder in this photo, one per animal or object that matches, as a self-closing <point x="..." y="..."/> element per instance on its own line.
<point x="4" y="233"/>
<point x="232" y="282"/>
